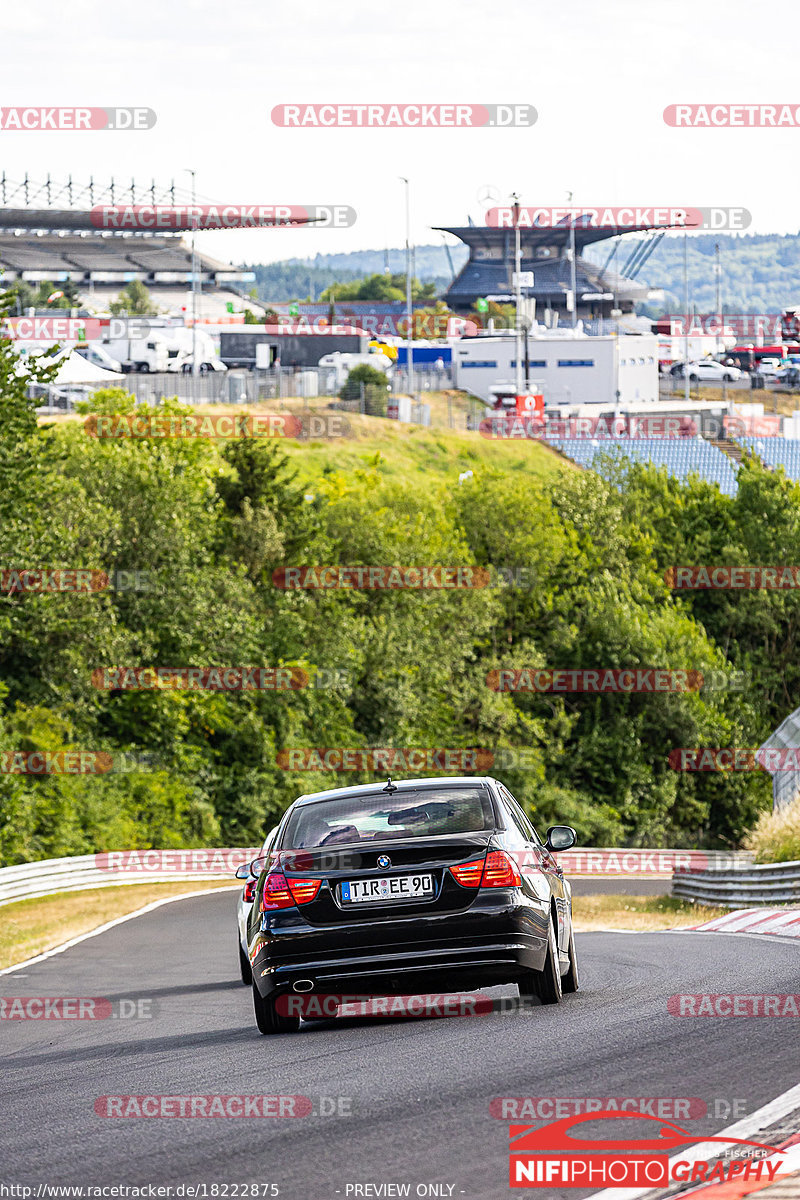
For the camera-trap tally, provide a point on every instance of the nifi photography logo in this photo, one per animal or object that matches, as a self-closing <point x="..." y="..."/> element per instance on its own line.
<point x="553" y="1157"/>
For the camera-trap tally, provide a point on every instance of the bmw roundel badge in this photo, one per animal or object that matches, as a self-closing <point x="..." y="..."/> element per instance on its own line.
<point x="384" y="861"/>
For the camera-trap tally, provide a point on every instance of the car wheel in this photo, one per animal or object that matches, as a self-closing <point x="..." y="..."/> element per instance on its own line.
<point x="244" y="966"/>
<point x="727" y="378"/>
<point x="143" y="368"/>
<point x="545" y="984"/>
<point x="268" y="1019"/>
<point x="569" y="982"/>
<point x="693" y="378"/>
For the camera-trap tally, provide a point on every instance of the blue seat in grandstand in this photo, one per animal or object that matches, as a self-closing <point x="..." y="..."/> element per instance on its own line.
<point x="776" y="452"/>
<point x="681" y="457"/>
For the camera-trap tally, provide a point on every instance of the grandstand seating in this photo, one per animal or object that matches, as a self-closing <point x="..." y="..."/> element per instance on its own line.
<point x="776" y="452"/>
<point x="681" y="456"/>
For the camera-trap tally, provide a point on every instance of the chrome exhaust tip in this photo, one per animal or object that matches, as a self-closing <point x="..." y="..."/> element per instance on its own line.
<point x="303" y="985"/>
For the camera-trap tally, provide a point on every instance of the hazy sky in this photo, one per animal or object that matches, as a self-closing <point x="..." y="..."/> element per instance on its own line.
<point x="599" y="74"/>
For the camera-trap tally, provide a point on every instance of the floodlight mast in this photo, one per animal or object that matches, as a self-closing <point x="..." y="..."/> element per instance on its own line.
<point x="517" y="298"/>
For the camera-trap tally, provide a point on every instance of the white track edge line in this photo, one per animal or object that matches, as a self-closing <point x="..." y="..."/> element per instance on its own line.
<point x="139" y="912"/>
<point x="772" y="1111"/>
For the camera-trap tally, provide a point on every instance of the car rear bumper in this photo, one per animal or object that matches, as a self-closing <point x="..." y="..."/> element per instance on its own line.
<point x="491" y="943"/>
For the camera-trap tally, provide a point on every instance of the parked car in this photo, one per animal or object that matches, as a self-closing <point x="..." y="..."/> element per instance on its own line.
<point x="398" y="888"/>
<point x="93" y="352"/>
<point x="769" y="367"/>
<point x="706" y="370"/>
<point x="207" y="364"/>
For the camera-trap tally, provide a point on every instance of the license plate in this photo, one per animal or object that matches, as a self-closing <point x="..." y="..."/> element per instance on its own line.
<point x="393" y="887"/>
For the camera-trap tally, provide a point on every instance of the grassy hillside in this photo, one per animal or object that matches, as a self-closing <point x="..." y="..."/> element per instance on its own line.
<point x="404" y="450"/>
<point x="399" y="450"/>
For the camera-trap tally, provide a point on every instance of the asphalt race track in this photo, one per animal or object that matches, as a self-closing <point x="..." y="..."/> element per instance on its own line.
<point x="418" y="1091"/>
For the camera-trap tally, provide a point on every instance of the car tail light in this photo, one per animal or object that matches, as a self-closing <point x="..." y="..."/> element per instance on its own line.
<point x="500" y="870"/>
<point x="468" y="874"/>
<point x="250" y="891"/>
<point x="304" y="890"/>
<point x="276" y="892"/>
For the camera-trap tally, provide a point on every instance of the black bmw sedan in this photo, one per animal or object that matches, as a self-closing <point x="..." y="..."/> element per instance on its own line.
<point x="386" y="889"/>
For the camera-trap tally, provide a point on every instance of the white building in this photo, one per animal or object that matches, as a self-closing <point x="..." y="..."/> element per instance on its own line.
<point x="570" y="370"/>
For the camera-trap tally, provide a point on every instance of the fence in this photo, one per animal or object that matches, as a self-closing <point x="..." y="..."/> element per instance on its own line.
<point x="773" y="883"/>
<point x="236" y="387"/>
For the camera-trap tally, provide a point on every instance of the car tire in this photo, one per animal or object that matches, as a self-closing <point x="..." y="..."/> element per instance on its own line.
<point x="244" y="966"/>
<point x="694" y="379"/>
<point x="727" y="379"/>
<point x="268" y="1019"/>
<point x="143" y="368"/>
<point x="546" y="984"/>
<point x="569" y="981"/>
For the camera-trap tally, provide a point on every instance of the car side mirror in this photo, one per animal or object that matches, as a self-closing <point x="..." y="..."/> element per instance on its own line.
<point x="243" y="872"/>
<point x="560" y="837"/>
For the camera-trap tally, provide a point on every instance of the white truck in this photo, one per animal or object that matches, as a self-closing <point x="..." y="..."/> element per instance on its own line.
<point x="150" y="353"/>
<point x="180" y="340"/>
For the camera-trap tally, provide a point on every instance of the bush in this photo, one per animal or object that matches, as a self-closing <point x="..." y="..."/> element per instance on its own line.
<point x="370" y="382"/>
<point x="776" y="837"/>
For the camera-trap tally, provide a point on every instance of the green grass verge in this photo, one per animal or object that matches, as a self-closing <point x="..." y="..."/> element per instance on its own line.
<point x="30" y="927"/>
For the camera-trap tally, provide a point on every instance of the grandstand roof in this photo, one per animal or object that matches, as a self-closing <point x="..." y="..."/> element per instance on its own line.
<point x="535" y="235"/>
<point x="487" y="272"/>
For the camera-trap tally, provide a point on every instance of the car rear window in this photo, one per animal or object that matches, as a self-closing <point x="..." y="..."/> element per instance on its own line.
<point x="378" y="816"/>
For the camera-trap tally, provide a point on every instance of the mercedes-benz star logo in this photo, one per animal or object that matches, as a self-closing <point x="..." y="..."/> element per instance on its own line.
<point x="384" y="861"/>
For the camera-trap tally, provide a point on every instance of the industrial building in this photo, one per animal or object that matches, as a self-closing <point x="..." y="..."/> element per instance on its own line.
<point x="568" y="370"/>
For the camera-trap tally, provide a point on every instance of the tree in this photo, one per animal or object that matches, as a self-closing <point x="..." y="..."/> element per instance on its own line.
<point x="133" y="301"/>
<point x="20" y="445"/>
<point x="22" y="295"/>
<point x="381" y="288"/>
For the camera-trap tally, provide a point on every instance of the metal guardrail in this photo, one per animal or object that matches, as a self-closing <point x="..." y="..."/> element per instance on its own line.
<point x="772" y="883"/>
<point x="55" y="875"/>
<point x="116" y="868"/>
